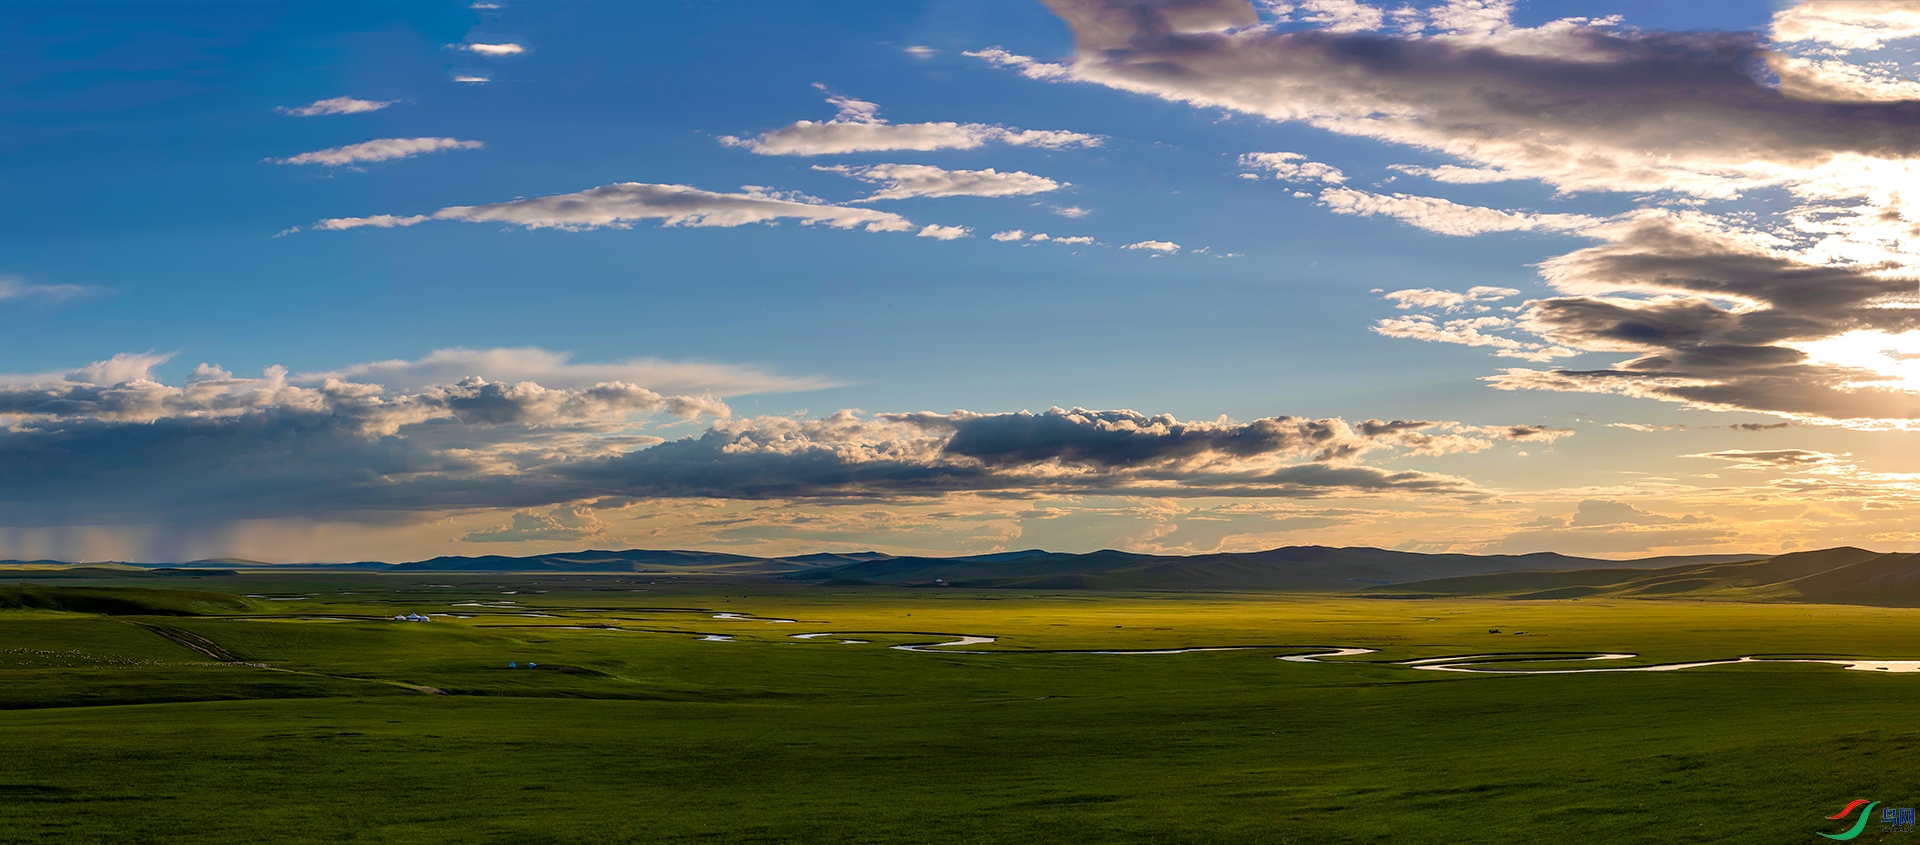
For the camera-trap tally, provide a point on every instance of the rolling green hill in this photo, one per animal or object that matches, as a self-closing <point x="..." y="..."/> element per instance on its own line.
<point x="1844" y="575"/>
<point x="1314" y="568"/>
<point x="119" y="601"/>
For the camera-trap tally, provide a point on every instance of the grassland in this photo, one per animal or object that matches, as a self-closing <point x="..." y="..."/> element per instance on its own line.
<point x="291" y="708"/>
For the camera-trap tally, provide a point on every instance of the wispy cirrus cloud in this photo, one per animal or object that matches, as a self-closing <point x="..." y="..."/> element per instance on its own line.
<point x="1041" y="237"/>
<point x="859" y="128"/>
<point x="382" y="149"/>
<point x="905" y="181"/>
<point x="559" y="369"/>
<point x="15" y="288"/>
<point x="335" y="105"/>
<point x="620" y="205"/>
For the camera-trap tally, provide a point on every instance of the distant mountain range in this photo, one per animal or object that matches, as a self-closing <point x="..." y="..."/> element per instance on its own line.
<point x="1289" y="568"/>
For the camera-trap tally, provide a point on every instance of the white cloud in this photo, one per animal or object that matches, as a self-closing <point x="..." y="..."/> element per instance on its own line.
<point x="504" y="49"/>
<point x="472" y="79"/>
<point x="859" y="128"/>
<point x="1293" y="167"/>
<point x="1848" y="24"/>
<point x="919" y="51"/>
<point x="1340" y="15"/>
<point x="1456" y="175"/>
<point x="124" y="388"/>
<point x="554" y="369"/>
<point x="619" y="205"/>
<point x="335" y="105"/>
<point x="384" y="149"/>
<point x="1472" y="331"/>
<point x="1070" y="241"/>
<point x="1071" y="211"/>
<point x="1446" y="217"/>
<point x="1027" y="66"/>
<point x="1834" y="81"/>
<point x="1010" y="235"/>
<point x="943" y="233"/>
<point x="1155" y="246"/>
<point x="904" y="181"/>
<point x="558" y="524"/>
<point x="1451" y="301"/>
<point x="15" y="288"/>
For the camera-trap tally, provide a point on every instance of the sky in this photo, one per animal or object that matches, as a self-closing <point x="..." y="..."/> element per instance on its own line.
<point x="345" y="281"/>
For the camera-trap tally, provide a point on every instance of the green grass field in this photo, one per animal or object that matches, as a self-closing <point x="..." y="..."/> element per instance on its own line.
<point x="290" y="708"/>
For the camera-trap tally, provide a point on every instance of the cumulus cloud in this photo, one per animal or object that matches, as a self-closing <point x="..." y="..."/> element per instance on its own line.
<point x="1450" y="301"/>
<point x="1167" y="247"/>
<point x="859" y="128"/>
<point x="558" y="524"/>
<point x="1060" y="451"/>
<point x="905" y="181"/>
<point x="335" y="105"/>
<point x="1592" y="512"/>
<point x="383" y="149"/>
<point x="472" y="79"/>
<point x="1610" y="526"/>
<point x="1335" y="15"/>
<point x="1009" y="235"/>
<point x="1471" y="331"/>
<point x="1293" y="167"/>
<point x="1723" y="318"/>
<point x="618" y="206"/>
<point x="111" y="443"/>
<point x="1848" y="24"/>
<point x="943" y="233"/>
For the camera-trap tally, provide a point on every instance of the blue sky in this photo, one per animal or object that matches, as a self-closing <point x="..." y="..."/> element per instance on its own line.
<point x="155" y="214"/>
